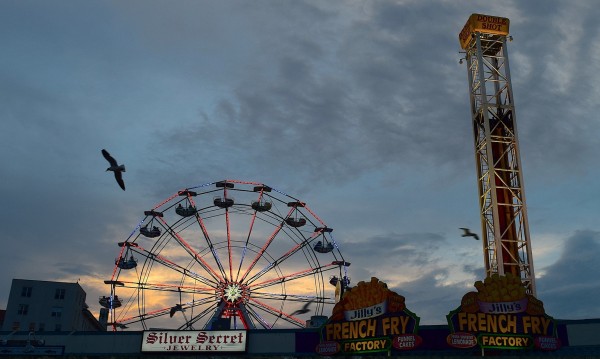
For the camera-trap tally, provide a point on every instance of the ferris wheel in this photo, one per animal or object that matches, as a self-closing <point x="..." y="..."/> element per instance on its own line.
<point x="224" y="255"/>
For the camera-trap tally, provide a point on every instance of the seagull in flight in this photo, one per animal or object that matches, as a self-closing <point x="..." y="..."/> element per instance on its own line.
<point x="174" y="309"/>
<point x="304" y="309"/>
<point x="468" y="233"/>
<point x="115" y="167"/>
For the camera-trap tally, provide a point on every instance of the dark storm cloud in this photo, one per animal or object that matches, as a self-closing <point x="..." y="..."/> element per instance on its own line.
<point x="553" y="91"/>
<point x="392" y="254"/>
<point x="407" y="249"/>
<point x="339" y="109"/>
<point x="570" y="284"/>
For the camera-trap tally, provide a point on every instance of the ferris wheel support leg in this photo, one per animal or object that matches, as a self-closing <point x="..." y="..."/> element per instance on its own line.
<point x="247" y="322"/>
<point x="215" y="317"/>
<point x="218" y="317"/>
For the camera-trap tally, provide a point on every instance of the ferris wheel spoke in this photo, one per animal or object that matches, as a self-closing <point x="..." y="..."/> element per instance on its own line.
<point x="191" y="251"/>
<point x="292" y="297"/>
<point x="258" y="318"/>
<point x="165" y="311"/>
<point x="264" y="247"/>
<point x="169" y="287"/>
<point x="319" y="302"/>
<point x="245" y="246"/>
<point x="145" y="316"/>
<point x="260" y="197"/>
<point x="278" y="313"/>
<point x="227" y="203"/>
<point x="228" y="225"/>
<point x="172" y="265"/>
<point x="204" y="313"/>
<point x="184" y="307"/>
<point x="200" y="221"/>
<point x="281" y="259"/>
<point x="291" y="277"/>
<point x="211" y="246"/>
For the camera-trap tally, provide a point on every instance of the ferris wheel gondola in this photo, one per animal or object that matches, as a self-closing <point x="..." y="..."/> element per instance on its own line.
<point x="110" y="302"/>
<point x="149" y="229"/>
<point x="126" y="263"/>
<point x="323" y="245"/>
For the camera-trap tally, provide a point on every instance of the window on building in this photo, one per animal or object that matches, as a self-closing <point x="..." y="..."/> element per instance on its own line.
<point x="42" y="327"/>
<point x="59" y="294"/>
<point x="57" y="328"/>
<point x="32" y="327"/>
<point x="56" y="312"/>
<point x="16" y="326"/>
<point x="23" y="309"/>
<point x="26" y="292"/>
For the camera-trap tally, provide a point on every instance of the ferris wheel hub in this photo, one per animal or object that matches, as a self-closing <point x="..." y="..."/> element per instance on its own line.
<point x="233" y="293"/>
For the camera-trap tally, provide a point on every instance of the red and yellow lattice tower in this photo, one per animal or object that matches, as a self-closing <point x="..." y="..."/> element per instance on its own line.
<point x="505" y="231"/>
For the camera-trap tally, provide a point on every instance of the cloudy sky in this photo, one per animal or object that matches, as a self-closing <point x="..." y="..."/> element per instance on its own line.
<point x="359" y="108"/>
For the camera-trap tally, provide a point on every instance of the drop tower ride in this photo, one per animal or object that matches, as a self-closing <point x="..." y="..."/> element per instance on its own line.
<point x="503" y="213"/>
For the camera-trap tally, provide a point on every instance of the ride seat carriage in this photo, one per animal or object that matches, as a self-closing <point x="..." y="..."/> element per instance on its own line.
<point x="126" y="263"/>
<point x="223" y="202"/>
<point x="106" y="302"/>
<point x="185" y="211"/>
<point x="295" y="222"/>
<point x="150" y="233"/>
<point x="261" y="206"/>
<point x="333" y="280"/>
<point x="323" y="248"/>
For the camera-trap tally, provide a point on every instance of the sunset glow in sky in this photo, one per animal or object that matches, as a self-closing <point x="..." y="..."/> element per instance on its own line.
<point x="358" y="107"/>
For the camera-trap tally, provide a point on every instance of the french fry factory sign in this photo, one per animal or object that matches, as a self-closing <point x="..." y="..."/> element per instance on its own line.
<point x="369" y="319"/>
<point x="501" y="315"/>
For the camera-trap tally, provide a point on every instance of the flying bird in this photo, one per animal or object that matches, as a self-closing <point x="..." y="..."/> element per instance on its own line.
<point x="115" y="167"/>
<point x="468" y="233"/>
<point x="174" y="309"/>
<point x="304" y="309"/>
